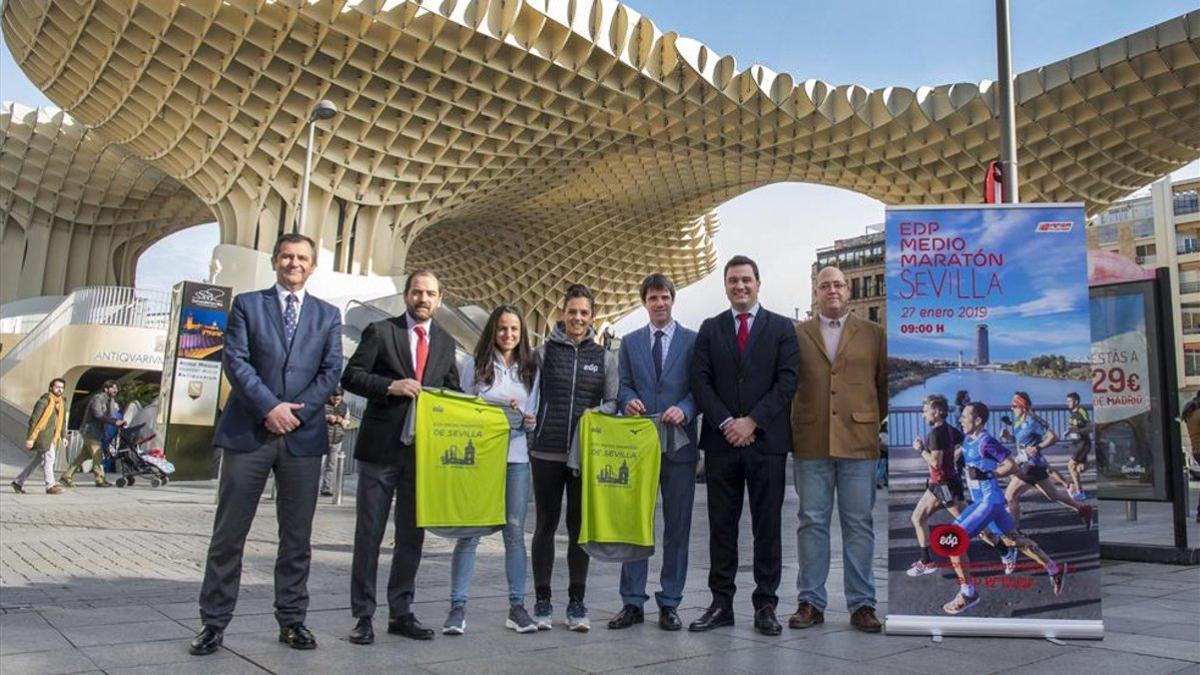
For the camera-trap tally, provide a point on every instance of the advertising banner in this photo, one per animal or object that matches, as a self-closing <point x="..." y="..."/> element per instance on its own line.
<point x="1130" y="447"/>
<point x="191" y="380"/>
<point x="989" y="348"/>
<point x="461" y="443"/>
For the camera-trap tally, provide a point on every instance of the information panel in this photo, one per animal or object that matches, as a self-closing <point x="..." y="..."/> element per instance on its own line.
<point x="989" y="350"/>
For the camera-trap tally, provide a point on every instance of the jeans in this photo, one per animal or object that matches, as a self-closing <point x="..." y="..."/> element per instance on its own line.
<point x="516" y="505"/>
<point x="853" y="481"/>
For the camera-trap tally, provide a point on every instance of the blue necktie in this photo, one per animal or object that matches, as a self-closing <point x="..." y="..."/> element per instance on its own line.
<point x="289" y="318"/>
<point x="656" y="352"/>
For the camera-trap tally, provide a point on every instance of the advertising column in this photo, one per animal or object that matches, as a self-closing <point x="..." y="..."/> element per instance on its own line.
<point x="191" y="382"/>
<point x="992" y="490"/>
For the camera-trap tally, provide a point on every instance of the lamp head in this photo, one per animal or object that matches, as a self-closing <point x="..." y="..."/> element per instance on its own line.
<point x="323" y="110"/>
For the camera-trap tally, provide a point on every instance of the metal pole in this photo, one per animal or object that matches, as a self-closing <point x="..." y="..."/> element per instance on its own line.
<point x="1006" y="108"/>
<point x="1131" y="510"/>
<point x="308" y="154"/>
<point x="339" y="475"/>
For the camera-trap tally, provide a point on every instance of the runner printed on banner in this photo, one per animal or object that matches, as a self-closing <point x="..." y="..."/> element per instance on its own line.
<point x="619" y="462"/>
<point x="989" y="351"/>
<point x="461" y="445"/>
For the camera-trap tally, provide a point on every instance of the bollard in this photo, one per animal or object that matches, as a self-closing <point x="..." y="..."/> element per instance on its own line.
<point x="272" y="497"/>
<point x="1130" y="511"/>
<point x="339" y="476"/>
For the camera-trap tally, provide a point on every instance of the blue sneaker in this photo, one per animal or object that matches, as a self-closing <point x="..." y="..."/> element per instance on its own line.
<point x="543" y="614"/>
<point x="577" y="618"/>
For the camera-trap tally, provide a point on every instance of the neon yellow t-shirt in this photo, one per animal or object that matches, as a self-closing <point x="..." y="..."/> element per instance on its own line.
<point x="619" y="462"/>
<point x="461" y="445"/>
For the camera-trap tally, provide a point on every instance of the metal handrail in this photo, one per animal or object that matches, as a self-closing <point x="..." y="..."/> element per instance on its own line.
<point x="96" y="305"/>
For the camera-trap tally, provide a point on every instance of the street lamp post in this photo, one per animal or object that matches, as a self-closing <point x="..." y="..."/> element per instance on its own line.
<point x="323" y="110"/>
<point x="1006" y="109"/>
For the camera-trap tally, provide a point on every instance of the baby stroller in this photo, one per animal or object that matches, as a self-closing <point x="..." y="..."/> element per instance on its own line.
<point x="131" y="463"/>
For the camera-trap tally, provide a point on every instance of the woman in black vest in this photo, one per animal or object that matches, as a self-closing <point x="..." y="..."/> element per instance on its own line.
<point x="577" y="374"/>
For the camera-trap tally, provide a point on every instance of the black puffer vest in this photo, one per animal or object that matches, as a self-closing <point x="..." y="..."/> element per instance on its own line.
<point x="572" y="381"/>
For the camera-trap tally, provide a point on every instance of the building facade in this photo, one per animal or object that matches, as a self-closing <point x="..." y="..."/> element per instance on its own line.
<point x="861" y="259"/>
<point x="1162" y="229"/>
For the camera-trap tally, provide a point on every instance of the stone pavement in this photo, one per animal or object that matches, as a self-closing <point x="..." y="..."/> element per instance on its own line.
<point x="106" y="581"/>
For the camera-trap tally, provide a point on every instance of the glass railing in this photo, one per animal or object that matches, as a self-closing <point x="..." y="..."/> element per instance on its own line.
<point x="1186" y="287"/>
<point x="97" y="306"/>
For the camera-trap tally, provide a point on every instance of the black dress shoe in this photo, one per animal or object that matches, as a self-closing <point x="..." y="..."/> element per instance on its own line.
<point x="668" y="619"/>
<point x="363" y="632"/>
<point x="629" y="615"/>
<point x="207" y="641"/>
<point x="765" y="621"/>
<point x="409" y="627"/>
<point x="297" y="636"/>
<point x="713" y="617"/>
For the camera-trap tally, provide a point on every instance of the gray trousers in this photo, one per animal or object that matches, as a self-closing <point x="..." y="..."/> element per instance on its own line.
<point x="243" y="477"/>
<point x="42" y="459"/>
<point x="377" y="485"/>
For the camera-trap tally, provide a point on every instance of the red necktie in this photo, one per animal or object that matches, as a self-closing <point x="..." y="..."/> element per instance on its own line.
<point x="422" y="351"/>
<point x="743" y="334"/>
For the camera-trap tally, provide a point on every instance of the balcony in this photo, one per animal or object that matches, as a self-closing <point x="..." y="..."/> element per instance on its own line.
<point x="1189" y="286"/>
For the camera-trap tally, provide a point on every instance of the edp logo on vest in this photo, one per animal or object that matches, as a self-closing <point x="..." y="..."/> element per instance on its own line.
<point x="591" y="368"/>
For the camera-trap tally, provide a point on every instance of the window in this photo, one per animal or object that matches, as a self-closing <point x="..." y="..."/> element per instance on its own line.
<point x="854" y="289"/>
<point x="1143" y="228"/>
<point x="873" y="314"/>
<point x="1191" y="362"/>
<point x="880" y="291"/>
<point x="1187" y="201"/>
<point x="1145" y="255"/>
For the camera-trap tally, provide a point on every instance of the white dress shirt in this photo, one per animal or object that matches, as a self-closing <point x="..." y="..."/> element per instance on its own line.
<point x="668" y="333"/>
<point x="282" y="294"/>
<point x="413" y="337"/>
<point x="753" y="312"/>
<point x="506" y="386"/>
<point x="832" y="333"/>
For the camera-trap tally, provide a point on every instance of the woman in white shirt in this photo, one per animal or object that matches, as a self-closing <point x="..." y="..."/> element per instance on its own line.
<point x="504" y="371"/>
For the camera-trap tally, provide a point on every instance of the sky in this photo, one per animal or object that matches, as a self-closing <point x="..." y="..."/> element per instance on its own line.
<point x="868" y="42"/>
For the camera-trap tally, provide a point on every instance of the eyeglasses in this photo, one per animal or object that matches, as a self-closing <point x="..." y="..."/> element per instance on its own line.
<point x="839" y="285"/>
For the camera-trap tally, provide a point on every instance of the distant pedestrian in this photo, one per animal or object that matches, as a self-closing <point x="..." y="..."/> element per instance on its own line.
<point x="1191" y="418"/>
<point x="337" y="416"/>
<point x="101" y="411"/>
<point x="46" y="425"/>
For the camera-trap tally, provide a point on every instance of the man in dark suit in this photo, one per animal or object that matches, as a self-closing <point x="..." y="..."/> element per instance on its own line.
<point x="395" y="357"/>
<point x="743" y="379"/>
<point x="654" y="363"/>
<point x="283" y="353"/>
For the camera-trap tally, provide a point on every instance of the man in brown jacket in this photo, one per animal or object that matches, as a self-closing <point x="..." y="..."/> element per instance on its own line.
<point x="841" y="400"/>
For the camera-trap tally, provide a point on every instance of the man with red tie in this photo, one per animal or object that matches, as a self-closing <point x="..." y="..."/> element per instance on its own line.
<point x="394" y="359"/>
<point x="743" y="378"/>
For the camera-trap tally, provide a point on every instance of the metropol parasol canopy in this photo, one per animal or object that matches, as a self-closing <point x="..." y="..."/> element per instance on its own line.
<point x="511" y="145"/>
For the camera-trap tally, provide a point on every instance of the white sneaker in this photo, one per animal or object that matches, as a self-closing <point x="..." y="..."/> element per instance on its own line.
<point x="920" y="569"/>
<point x="961" y="603"/>
<point x="1010" y="561"/>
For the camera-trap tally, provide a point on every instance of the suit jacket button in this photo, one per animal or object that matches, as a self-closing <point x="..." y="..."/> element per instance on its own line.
<point x="835" y="413"/>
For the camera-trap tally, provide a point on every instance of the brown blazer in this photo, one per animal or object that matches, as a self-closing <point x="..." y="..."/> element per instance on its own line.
<point x="840" y="402"/>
